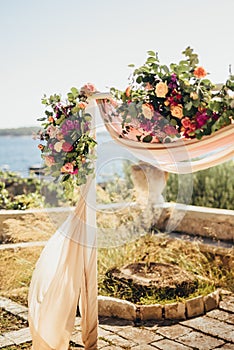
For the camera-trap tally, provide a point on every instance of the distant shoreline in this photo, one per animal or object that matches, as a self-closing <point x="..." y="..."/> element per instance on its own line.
<point x="21" y="131"/>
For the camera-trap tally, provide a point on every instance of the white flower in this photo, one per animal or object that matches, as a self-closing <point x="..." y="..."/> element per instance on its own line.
<point x="58" y="146"/>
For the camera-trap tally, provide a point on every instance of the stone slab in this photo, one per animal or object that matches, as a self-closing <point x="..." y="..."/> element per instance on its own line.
<point x="120" y="341"/>
<point x="211" y="327"/>
<point x="227" y="346"/>
<point x="200" y="340"/>
<point x="166" y="344"/>
<point x="139" y="335"/>
<point x="5" y="341"/>
<point x="211" y="301"/>
<point x="146" y="347"/>
<point x="173" y="331"/>
<point x="113" y="307"/>
<point x="175" y="311"/>
<point x="221" y="315"/>
<point x="227" y="304"/>
<point x="150" y="312"/>
<point x="195" y="307"/>
<point x="19" y="337"/>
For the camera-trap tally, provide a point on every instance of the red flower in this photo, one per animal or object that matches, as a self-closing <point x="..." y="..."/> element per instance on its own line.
<point x="67" y="147"/>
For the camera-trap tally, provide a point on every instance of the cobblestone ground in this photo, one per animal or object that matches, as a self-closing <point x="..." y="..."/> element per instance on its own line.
<point x="215" y="330"/>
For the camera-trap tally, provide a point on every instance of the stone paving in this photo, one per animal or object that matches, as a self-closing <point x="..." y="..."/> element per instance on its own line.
<point x="215" y="330"/>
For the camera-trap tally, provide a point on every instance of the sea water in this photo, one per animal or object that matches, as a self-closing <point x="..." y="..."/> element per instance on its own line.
<point x="19" y="153"/>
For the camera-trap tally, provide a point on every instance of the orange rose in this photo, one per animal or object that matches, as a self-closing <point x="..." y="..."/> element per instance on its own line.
<point x="148" y="86"/>
<point x="82" y="105"/>
<point x="161" y="89"/>
<point x="177" y="111"/>
<point x="194" y="95"/>
<point x="128" y="91"/>
<point x="40" y="146"/>
<point x="50" y="119"/>
<point x="199" y="72"/>
<point x="147" y="110"/>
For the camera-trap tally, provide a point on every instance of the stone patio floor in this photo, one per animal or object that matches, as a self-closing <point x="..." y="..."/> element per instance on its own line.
<point x="215" y="330"/>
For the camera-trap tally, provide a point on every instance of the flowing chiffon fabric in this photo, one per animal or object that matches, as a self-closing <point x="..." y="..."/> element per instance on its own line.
<point x="64" y="275"/>
<point x="66" y="272"/>
<point x="182" y="156"/>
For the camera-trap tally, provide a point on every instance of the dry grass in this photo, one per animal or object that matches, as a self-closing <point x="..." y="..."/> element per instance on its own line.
<point x="214" y="269"/>
<point x="27" y="228"/>
<point x="16" y="268"/>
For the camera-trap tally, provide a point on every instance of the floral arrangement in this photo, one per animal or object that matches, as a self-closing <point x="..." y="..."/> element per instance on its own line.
<point x="162" y="104"/>
<point x="68" y="146"/>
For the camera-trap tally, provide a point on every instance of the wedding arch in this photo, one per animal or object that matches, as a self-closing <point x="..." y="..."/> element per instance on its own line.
<point x="66" y="272"/>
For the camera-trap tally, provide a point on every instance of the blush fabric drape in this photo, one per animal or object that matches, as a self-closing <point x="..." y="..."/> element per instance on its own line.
<point x="182" y="156"/>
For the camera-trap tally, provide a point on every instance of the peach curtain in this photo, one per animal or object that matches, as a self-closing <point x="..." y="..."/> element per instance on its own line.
<point x="182" y="156"/>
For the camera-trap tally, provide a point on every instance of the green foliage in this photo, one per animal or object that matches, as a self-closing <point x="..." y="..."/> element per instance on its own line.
<point x="68" y="148"/>
<point x="180" y="94"/>
<point x="25" y="193"/>
<point x="213" y="187"/>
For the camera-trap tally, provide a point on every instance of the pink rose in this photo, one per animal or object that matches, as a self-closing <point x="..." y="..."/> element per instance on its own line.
<point x="52" y="131"/>
<point x="88" y="89"/>
<point x="67" y="147"/>
<point x="186" y="122"/>
<point x="49" y="160"/>
<point x="67" y="168"/>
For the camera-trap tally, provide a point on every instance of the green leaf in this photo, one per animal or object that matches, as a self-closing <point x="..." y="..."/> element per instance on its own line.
<point x="173" y="122"/>
<point x="75" y="92"/>
<point x="188" y="105"/>
<point x="147" y="138"/>
<point x="131" y="65"/>
<point x="151" y="60"/>
<point x="151" y="53"/>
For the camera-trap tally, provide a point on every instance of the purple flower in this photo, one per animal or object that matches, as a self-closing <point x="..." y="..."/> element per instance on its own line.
<point x="201" y="119"/>
<point x="215" y="116"/>
<point x="146" y="125"/>
<point x="173" y="83"/>
<point x="173" y="77"/>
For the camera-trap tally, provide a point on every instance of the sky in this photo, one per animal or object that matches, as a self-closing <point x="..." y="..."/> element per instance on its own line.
<point x="48" y="46"/>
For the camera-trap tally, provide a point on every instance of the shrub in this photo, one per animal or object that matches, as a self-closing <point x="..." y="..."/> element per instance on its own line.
<point x="213" y="187"/>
